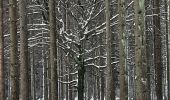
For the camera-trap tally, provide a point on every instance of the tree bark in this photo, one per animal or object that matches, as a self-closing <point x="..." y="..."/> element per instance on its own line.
<point x="45" y="76"/>
<point x="168" y="53"/>
<point x="33" y="96"/>
<point x="49" y="76"/>
<point x="110" y="81"/>
<point x="81" y="73"/>
<point x="2" y="76"/>
<point x="149" y="47"/>
<point x="14" y="67"/>
<point x="139" y="62"/>
<point x="24" y="82"/>
<point x="66" y="28"/>
<point x="157" y="49"/>
<point x="122" y="55"/>
<point x="53" y="50"/>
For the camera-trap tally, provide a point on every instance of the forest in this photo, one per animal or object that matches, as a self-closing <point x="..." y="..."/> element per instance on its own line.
<point x="84" y="49"/>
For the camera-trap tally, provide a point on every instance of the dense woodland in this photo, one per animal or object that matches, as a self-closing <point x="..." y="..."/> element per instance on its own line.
<point x="84" y="49"/>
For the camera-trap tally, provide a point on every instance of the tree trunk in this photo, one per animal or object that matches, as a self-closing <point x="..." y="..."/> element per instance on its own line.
<point x="14" y="67"/>
<point x="149" y="48"/>
<point x="81" y="69"/>
<point x="70" y="88"/>
<point x="66" y="26"/>
<point x="44" y="64"/>
<point x="139" y="62"/>
<point x="49" y="76"/>
<point x="81" y="84"/>
<point x="122" y="55"/>
<point x="24" y="90"/>
<point x="167" y="51"/>
<point x="81" y="73"/>
<point x="168" y="54"/>
<point x="61" y="74"/>
<point x="98" y="86"/>
<point x="110" y="81"/>
<point x="2" y="76"/>
<point x="157" y="49"/>
<point x="145" y="81"/>
<point x="33" y="96"/>
<point x="53" y="50"/>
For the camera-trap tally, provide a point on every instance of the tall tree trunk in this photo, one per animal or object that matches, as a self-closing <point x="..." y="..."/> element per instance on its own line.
<point x="157" y="49"/>
<point x="168" y="54"/>
<point x="122" y="55"/>
<point x="149" y="47"/>
<point x="110" y="82"/>
<point x="2" y="76"/>
<point x="167" y="47"/>
<point x="139" y="62"/>
<point x="82" y="69"/>
<point x="14" y="67"/>
<point x="53" y="50"/>
<point x="145" y="81"/>
<point x="24" y="90"/>
<point x="66" y="26"/>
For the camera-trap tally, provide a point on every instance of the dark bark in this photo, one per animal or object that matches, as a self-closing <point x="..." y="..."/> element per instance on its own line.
<point x="24" y="82"/>
<point x="81" y="75"/>
<point x="157" y="49"/>
<point x="110" y="77"/>
<point x="14" y="67"/>
<point x="80" y="88"/>
<point x="149" y="48"/>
